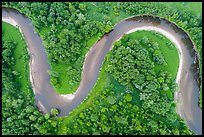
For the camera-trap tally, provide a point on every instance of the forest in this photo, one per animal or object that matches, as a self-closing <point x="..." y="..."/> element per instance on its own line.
<point x="127" y="103"/>
<point x="135" y="87"/>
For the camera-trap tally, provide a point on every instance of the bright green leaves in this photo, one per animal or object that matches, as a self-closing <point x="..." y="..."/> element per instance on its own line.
<point x="128" y="97"/>
<point x="30" y="109"/>
<point x="81" y="115"/>
<point x="54" y="111"/>
<point x="121" y="120"/>
<point x="47" y="116"/>
<point x="111" y="99"/>
<point x="32" y="117"/>
<point x="54" y="80"/>
<point x="94" y="117"/>
<point x="160" y="80"/>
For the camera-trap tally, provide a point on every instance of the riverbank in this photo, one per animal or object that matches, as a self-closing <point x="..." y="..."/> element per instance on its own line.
<point x="20" y="55"/>
<point x="10" y="21"/>
<point x="15" y="24"/>
<point x="31" y="62"/>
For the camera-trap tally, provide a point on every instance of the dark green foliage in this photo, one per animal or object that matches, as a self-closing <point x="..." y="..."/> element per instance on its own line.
<point x="19" y="113"/>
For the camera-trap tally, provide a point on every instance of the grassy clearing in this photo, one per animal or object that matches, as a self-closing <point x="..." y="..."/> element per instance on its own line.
<point x="193" y="7"/>
<point x="21" y="66"/>
<point x="44" y="31"/>
<point x="114" y="18"/>
<point x="93" y="6"/>
<point x="60" y="68"/>
<point x="90" y="42"/>
<point x="64" y="77"/>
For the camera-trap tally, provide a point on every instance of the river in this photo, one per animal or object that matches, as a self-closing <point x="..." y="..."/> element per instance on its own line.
<point x="46" y="97"/>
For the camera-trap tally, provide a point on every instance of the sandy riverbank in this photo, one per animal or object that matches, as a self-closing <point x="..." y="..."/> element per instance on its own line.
<point x="10" y="21"/>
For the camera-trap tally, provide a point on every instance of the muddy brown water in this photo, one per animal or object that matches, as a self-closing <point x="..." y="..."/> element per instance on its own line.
<point x="46" y="97"/>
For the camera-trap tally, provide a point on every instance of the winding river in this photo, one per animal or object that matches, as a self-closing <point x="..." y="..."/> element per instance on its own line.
<point x="46" y="97"/>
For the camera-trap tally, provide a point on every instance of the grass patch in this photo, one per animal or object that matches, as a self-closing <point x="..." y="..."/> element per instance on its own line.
<point x="194" y="7"/>
<point x="89" y="43"/>
<point x="21" y="66"/>
<point x="95" y="6"/>
<point x="44" y="31"/>
<point x="64" y="79"/>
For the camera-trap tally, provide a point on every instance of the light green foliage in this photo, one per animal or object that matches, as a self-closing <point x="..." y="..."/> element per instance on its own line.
<point x="54" y="111"/>
<point x="47" y="116"/>
<point x="128" y="98"/>
<point x="111" y="99"/>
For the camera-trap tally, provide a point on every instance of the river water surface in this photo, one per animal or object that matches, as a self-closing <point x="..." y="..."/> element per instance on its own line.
<point x="46" y="97"/>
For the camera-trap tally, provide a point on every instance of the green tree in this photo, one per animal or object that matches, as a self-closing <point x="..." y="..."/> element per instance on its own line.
<point x="54" y="111"/>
